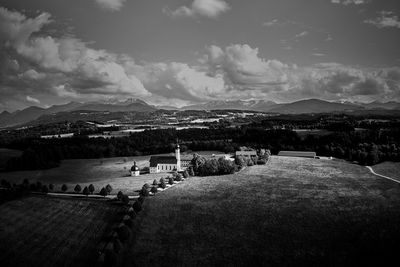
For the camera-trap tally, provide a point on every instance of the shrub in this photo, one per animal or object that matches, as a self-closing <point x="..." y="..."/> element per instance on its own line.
<point x="86" y="191"/>
<point x="185" y="174"/>
<point x="250" y="163"/>
<point x="77" y="188"/>
<point x="109" y="188"/>
<point x="240" y="162"/>
<point x="39" y="186"/>
<point x="32" y="187"/>
<point x="171" y="180"/>
<point x="155" y="182"/>
<point x="178" y="177"/>
<point x="64" y="188"/>
<point x="110" y="258"/>
<point x="51" y="187"/>
<point x="91" y="188"/>
<point x="137" y="206"/>
<point x="103" y="192"/>
<point x="153" y="190"/>
<point x="125" y="199"/>
<point x="144" y="192"/>
<point x="119" y="195"/>
<point x="45" y="189"/>
<point x="162" y="183"/>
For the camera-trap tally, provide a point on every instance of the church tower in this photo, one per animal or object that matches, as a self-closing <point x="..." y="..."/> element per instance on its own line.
<point x="178" y="157"/>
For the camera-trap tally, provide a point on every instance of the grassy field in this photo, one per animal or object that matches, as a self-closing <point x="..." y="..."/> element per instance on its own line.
<point x="45" y="231"/>
<point x="292" y="212"/>
<point x="390" y="169"/>
<point x="99" y="172"/>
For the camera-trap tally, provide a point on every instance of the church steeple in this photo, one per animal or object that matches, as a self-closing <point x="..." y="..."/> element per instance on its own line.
<point x="178" y="156"/>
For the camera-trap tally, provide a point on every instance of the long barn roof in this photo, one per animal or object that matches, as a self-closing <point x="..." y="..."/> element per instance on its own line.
<point x="306" y="154"/>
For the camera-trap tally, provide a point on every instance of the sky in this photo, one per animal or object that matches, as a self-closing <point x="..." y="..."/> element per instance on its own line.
<point x="179" y="52"/>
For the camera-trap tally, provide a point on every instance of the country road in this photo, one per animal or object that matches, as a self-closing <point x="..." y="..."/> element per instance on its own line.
<point x="380" y="175"/>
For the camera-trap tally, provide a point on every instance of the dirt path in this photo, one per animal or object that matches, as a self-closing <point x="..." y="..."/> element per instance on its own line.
<point x="380" y="175"/>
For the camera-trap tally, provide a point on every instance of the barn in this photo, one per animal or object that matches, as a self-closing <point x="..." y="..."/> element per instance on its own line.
<point x="301" y="154"/>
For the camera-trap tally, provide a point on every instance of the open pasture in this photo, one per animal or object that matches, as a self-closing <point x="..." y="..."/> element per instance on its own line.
<point x="46" y="231"/>
<point x="290" y="212"/>
<point x="390" y="169"/>
<point x="99" y="172"/>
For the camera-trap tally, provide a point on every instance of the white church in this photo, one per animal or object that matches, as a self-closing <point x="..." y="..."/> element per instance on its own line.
<point x="169" y="163"/>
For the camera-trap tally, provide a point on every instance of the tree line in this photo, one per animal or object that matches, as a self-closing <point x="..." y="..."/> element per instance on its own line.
<point x="366" y="147"/>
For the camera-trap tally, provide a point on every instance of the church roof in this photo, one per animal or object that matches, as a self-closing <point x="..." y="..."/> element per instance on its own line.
<point x="155" y="160"/>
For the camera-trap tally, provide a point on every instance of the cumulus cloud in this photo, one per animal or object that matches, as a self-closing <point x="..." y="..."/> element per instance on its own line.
<point x="42" y="66"/>
<point x="241" y="65"/>
<point x="64" y="61"/>
<point x="386" y="19"/>
<point x="199" y="8"/>
<point x="111" y="5"/>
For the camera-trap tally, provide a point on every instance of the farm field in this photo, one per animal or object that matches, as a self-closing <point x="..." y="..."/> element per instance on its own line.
<point x="99" y="172"/>
<point x="390" y="169"/>
<point x="46" y="231"/>
<point x="291" y="212"/>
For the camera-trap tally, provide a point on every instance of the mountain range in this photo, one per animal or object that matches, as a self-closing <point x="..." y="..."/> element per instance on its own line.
<point x="26" y="115"/>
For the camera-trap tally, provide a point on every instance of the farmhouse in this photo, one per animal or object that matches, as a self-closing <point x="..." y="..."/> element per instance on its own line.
<point x="246" y="153"/>
<point x="169" y="163"/>
<point x="302" y="154"/>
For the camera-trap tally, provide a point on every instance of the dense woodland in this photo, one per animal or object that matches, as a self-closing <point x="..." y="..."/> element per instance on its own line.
<point x="370" y="146"/>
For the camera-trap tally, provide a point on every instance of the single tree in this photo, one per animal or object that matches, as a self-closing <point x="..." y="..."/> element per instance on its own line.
<point x="45" y="189"/>
<point x="153" y="190"/>
<point x="125" y="199"/>
<point x="77" y="188"/>
<point x="155" y="182"/>
<point x="86" y="191"/>
<point x="109" y="188"/>
<point x="103" y="192"/>
<point x="51" y="187"/>
<point x="119" y="195"/>
<point x="64" y="188"/>
<point x="91" y="188"/>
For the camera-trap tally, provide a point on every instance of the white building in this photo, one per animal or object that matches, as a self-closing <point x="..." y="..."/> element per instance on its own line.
<point x="169" y="163"/>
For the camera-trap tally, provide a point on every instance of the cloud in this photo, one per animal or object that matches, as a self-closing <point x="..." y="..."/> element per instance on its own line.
<point x="111" y="5"/>
<point x="302" y="34"/>
<point x="32" y="100"/>
<point x="36" y="64"/>
<point x="199" y="8"/>
<point x="350" y="2"/>
<point x="387" y="19"/>
<point x="241" y="65"/>
<point x="66" y="61"/>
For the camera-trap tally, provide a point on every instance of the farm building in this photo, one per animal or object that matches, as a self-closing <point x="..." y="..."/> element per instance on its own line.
<point x="246" y="153"/>
<point x="302" y="154"/>
<point x="169" y="163"/>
